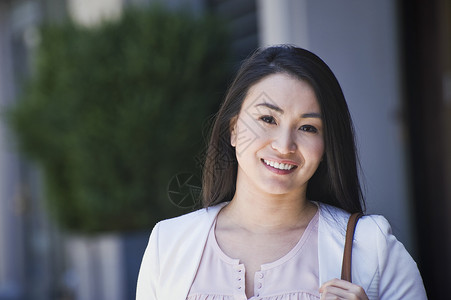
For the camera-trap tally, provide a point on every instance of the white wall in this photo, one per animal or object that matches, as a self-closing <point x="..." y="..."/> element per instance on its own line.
<point x="359" y="41"/>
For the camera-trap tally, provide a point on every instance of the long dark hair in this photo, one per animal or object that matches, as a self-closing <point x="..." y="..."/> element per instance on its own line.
<point x="336" y="180"/>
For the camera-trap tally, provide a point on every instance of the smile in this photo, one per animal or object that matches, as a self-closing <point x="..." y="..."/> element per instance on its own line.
<point x="277" y="165"/>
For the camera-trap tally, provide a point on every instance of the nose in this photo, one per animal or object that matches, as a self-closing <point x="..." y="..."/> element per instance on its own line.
<point x="284" y="142"/>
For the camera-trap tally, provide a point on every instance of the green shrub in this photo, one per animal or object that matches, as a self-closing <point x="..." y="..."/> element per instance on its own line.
<point x="113" y="112"/>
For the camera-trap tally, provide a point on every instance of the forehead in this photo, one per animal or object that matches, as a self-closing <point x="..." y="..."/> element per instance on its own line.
<point x="283" y="90"/>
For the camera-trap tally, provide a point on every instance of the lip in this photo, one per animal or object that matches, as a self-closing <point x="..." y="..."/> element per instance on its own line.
<point x="279" y="171"/>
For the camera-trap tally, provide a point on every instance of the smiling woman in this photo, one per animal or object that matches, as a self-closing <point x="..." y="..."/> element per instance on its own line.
<point x="275" y="215"/>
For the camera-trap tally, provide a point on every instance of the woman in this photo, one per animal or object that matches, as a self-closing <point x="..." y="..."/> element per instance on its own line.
<point x="280" y="181"/>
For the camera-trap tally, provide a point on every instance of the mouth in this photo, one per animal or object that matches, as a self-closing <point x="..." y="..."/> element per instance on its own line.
<point x="279" y="166"/>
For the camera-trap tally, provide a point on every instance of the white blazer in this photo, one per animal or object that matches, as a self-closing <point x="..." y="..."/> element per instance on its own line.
<point x="380" y="263"/>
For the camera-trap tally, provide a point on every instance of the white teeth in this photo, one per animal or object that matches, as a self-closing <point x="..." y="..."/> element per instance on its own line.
<point x="279" y="166"/>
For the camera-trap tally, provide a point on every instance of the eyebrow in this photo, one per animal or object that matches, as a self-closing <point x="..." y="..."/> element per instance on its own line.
<point x="271" y="106"/>
<point x="279" y="110"/>
<point x="311" y="115"/>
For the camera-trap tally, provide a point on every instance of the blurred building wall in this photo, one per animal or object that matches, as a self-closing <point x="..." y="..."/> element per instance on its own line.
<point x="11" y="246"/>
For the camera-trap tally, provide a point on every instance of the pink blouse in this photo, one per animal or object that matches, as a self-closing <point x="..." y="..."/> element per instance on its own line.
<point x="292" y="277"/>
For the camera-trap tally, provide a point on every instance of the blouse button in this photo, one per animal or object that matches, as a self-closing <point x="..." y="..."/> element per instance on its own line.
<point x="259" y="285"/>
<point x="260" y="275"/>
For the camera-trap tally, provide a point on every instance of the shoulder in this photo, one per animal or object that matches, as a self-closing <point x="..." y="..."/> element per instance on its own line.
<point x="184" y="219"/>
<point x="373" y="233"/>
<point x="370" y="236"/>
<point x="381" y="264"/>
<point x="187" y="225"/>
<point x="337" y="219"/>
<point x="193" y="216"/>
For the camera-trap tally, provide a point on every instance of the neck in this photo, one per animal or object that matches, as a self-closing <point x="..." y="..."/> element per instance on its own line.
<point x="262" y="213"/>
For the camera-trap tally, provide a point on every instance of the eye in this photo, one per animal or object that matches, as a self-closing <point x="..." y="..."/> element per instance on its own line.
<point x="308" y="128"/>
<point x="268" y="119"/>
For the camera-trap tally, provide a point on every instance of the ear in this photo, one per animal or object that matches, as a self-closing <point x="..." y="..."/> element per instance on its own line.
<point x="233" y="131"/>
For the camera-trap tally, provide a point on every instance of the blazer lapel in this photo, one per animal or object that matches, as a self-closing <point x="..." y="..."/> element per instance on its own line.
<point x="330" y="242"/>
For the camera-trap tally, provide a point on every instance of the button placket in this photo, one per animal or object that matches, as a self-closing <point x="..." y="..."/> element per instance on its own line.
<point x="240" y="278"/>
<point x="259" y="276"/>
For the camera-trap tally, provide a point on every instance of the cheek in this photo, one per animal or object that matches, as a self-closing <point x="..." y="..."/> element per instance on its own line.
<point x="247" y="134"/>
<point x="315" y="148"/>
<point x="320" y="146"/>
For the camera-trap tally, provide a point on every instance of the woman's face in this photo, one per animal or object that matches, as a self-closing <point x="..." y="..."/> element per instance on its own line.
<point x="278" y="135"/>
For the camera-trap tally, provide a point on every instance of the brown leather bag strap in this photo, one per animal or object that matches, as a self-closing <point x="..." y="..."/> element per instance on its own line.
<point x="347" y="253"/>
